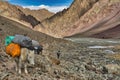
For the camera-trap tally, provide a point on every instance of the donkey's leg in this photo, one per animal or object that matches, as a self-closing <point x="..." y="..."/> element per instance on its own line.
<point x="26" y="61"/>
<point x="25" y="68"/>
<point x="17" y="63"/>
<point x="19" y="66"/>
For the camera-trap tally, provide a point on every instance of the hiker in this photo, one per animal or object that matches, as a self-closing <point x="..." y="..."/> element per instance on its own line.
<point x="58" y="54"/>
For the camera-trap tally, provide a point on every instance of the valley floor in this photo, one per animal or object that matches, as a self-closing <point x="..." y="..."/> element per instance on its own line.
<point x="86" y="59"/>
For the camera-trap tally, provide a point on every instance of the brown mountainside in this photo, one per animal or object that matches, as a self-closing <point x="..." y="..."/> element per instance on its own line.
<point x="40" y="14"/>
<point x="24" y="16"/>
<point x="9" y="10"/>
<point x="60" y="22"/>
<point x="101" y="20"/>
<point x="84" y="18"/>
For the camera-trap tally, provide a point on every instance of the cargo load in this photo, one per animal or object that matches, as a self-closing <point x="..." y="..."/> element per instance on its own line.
<point x="9" y="40"/>
<point x="23" y="41"/>
<point x="13" y="50"/>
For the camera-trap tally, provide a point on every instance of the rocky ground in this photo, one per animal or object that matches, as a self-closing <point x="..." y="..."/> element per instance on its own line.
<point x="85" y="59"/>
<point x="81" y="59"/>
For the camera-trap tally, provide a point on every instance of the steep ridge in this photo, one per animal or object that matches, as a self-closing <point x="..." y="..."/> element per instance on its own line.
<point x="60" y="22"/>
<point x="84" y="18"/>
<point x="103" y="16"/>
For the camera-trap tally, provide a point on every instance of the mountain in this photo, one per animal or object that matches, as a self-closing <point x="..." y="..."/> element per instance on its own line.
<point x="40" y="14"/>
<point x="85" y="18"/>
<point x="25" y="16"/>
<point x="75" y="58"/>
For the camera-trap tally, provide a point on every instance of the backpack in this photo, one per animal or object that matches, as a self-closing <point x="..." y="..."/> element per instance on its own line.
<point x="9" y="40"/>
<point x="23" y="41"/>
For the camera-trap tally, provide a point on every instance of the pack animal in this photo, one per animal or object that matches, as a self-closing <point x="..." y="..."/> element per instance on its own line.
<point x="26" y="57"/>
<point x="23" y="50"/>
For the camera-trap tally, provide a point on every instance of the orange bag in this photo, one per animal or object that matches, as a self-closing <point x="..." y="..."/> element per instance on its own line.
<point x="13" y="49"/>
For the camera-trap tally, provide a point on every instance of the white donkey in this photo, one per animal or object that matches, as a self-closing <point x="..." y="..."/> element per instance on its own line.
<point x="26" y="57"/>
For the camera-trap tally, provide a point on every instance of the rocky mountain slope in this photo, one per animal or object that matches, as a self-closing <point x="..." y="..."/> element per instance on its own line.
<point x="25" y="16"/>
<point x="86" y="62"/>
<point x="95" y="18"/>
<point x="10" y="27"/>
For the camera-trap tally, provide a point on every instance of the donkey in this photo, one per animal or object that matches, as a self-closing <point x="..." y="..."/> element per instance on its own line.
<point x="26" y="57"/>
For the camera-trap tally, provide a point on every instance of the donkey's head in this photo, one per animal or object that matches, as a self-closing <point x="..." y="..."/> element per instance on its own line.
<point x="38" y="49"/>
